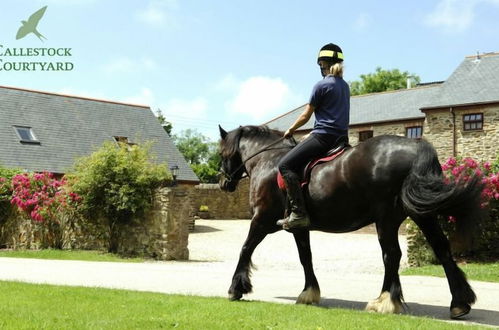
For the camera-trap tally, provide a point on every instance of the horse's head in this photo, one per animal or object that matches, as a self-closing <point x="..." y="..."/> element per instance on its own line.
<point x="232" y="167"/>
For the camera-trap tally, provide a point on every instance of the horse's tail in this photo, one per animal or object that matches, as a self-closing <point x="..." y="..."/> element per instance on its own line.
<point x="426" y="194"/>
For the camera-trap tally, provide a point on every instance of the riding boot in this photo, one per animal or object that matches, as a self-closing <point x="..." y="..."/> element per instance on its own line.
<point x="298" y="217"/>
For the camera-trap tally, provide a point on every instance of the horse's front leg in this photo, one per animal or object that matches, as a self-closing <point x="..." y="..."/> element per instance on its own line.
<point x="390" y="299"/>
<point x="241" y="283"/>
<point x="311" y="294"/>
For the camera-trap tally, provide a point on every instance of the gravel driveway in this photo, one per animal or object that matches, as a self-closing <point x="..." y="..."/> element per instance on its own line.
<point x="357" y="253"/>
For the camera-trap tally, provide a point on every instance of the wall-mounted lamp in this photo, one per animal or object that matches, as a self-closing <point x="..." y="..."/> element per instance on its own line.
<point x="174" y="170"/>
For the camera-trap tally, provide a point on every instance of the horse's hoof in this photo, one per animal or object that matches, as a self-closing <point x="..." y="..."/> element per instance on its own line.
<point x="309" y="296"/>
<point x="459" y="311"/>
<point x="235" y="296"/>
<point x="384" y="304"/>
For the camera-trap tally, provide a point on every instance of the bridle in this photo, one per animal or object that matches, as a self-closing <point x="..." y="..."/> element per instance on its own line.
<point x="230" y="176"/>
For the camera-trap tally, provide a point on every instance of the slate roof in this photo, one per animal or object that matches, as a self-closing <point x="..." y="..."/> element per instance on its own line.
<point x="69" y="127"/>
<point x="475" y="81"/>
<point x="471" y="83"/>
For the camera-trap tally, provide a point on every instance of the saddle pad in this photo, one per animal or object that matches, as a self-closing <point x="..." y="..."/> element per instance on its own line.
<point x="308" y="169"/>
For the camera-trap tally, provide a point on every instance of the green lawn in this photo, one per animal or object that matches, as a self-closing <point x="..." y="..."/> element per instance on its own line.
<point x="83" y="255"/>
<point x="488" y="272"/>
<point x="30" y="306"/>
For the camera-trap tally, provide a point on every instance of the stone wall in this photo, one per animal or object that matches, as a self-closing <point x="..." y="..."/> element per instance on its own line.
<point x="161" y="234"/>
<point x="221" y="204"/>
<point x="164" y="232"/>
<point x="482" y="145"/>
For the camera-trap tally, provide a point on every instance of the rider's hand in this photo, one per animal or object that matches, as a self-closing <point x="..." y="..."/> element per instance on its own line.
<point x="288" y="134"/>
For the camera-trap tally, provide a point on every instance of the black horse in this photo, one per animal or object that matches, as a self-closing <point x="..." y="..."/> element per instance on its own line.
<point x="382" y="180"/>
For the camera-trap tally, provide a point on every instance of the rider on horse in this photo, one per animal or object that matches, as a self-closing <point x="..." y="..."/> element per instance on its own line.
<point x="330" y="102"/>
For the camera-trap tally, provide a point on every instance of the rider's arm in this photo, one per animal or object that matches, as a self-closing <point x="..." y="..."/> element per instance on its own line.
<point x="301" y="120"/>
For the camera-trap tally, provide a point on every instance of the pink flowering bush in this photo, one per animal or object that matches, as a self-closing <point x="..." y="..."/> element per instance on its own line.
<point x="455" y="170"/>
<point x="485" y="245"/>
<point x="41" y="196"/>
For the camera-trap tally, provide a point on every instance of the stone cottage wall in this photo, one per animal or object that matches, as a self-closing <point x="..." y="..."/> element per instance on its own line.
<point x="398" y="128"/>
<point x="481" y="145"/>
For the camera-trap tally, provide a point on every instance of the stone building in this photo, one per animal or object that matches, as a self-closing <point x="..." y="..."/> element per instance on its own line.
<point x="459" y="116"/>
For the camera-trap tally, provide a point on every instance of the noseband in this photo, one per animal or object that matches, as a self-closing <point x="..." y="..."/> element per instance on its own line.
<point x="230" y="176"/>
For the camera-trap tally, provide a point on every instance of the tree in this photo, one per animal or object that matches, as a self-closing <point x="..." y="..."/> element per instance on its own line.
<point x="382" y="80"/>
<point x="117" y="183"/>
<point x="167" y="126"/>
<point x="200" y="153"/>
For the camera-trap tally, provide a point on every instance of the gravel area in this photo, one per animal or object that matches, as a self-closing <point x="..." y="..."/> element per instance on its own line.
<point x="358" y="252"/>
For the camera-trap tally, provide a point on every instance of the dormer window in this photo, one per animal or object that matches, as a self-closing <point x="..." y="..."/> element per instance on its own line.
<point x="26" y="134"/>
<point x="123" y="140"/>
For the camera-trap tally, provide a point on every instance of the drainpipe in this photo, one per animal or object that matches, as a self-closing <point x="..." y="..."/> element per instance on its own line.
<point x="454" y="139"/>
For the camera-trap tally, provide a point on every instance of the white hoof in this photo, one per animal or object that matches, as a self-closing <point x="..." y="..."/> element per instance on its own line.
<point x="309" y="296"/>
<point x="384" y="304"/>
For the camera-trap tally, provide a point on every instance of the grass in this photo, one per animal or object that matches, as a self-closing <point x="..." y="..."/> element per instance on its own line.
<point x="30" y="306"/>
<point x="488" y="272"/>
<point x="54" y="254"/>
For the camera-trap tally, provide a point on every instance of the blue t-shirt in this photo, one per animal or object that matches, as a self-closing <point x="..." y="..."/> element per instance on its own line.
<point x="331" y="100"/>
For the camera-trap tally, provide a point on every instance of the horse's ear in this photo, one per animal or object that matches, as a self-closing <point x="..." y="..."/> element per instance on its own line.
<point x="223" y="133"/>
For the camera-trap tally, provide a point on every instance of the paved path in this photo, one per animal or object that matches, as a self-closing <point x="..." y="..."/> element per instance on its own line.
<point x="348" y="267"/>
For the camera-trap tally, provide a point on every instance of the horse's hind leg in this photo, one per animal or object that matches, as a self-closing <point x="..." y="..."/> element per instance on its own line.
<point x="241" y="283"/>
<point x="311" y="294"/>
<point x="390" y="299"/>
<point x="462" y="294"/>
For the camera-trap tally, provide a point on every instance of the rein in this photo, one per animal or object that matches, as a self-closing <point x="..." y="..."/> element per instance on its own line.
<point x="230" y="176"/>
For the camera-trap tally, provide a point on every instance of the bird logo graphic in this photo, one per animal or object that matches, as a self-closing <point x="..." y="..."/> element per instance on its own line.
<point x="30" y="26"/>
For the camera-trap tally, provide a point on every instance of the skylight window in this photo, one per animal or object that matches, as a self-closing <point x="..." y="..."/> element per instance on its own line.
<point x="26" y="134"/>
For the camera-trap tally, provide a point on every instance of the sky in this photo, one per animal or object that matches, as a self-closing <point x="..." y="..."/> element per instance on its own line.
<point x="204" y="63"/>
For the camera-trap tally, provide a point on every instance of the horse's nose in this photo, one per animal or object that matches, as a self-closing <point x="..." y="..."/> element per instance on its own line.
<point x="222" y="183"/>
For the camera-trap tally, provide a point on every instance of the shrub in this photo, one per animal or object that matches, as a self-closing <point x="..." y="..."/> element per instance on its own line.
<point x="117" y="183"/>
<point x="6" y="175"/>
<point x="41" y="196"/>
<point x="485" y="243"/>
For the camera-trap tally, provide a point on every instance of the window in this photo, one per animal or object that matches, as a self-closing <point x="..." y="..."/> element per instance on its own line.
<point x="121" y="139"/>
<point x="415" y="132"/>
<point x="124" y="141"/>
<point x="26" y="134"/>
<point x="364" y="135"/>
<point x="473" y="122"/>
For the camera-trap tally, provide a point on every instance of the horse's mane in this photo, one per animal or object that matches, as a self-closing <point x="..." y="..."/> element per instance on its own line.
<point x="230" y="145"/>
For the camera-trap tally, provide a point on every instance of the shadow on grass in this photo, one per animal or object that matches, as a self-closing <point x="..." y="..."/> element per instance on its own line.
<point x="480" y="316"/>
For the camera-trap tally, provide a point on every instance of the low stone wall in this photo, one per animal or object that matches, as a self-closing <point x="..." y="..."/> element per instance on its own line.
<point x="221" y="204"/>
<point x="162" y="233"/>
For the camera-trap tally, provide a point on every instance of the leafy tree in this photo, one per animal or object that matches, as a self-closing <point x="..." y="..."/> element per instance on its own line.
<point x="167" y="126"/>
<point x="117" y="182"/>
<point x="382" y="80"/>
<point x="207" y="172"/>
<point x="200" y="153"/>
<point x="193" y="145"/>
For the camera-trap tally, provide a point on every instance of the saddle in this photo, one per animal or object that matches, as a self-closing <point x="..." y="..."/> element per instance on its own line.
<point x="305" y="177"/>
